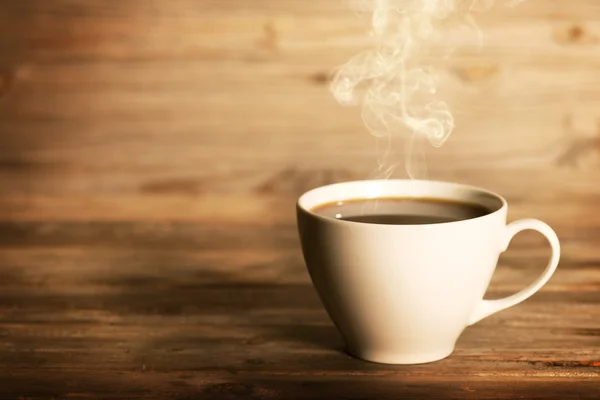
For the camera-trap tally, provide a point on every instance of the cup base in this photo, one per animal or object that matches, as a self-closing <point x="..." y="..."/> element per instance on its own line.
<point x="399" y="359"/>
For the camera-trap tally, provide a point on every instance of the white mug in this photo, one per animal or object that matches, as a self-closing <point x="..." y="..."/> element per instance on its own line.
<point x="403" y="294"/>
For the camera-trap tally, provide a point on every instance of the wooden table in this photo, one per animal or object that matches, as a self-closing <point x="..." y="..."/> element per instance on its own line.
<point x="136" y="301"/>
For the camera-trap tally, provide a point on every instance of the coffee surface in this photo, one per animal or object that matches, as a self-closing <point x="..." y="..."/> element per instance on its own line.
<point x="401" y="211"/>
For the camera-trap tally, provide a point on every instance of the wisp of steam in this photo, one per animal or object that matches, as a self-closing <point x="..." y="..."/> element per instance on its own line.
<point x="393" y="81"/>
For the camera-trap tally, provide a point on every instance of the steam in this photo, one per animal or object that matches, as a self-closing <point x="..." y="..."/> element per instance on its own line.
<point x="394" y="81"/>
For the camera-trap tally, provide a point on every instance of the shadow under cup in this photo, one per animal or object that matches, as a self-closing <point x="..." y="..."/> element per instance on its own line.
<point x="403" y="294"/>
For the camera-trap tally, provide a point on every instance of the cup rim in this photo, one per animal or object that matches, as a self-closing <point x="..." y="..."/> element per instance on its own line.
<point x="302" y="198"/>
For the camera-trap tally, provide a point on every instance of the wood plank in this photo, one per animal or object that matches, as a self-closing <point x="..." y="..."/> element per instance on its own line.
<point x="277" y="177"/>
<point x="201" y="385"/>
<point x="178" y="205"/>
<point x="100" y="24"/>
<point x="104" y="269"/>
<point x="125" y="98"/>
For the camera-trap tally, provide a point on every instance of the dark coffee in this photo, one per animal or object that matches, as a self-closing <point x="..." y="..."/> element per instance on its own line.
<point x="401" y="211"/>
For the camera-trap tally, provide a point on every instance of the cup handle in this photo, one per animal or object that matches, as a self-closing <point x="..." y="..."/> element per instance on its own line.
<point x="488" y="307"/>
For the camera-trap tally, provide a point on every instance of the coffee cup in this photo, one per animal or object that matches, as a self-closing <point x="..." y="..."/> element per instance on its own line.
<point x="402" y="266"/>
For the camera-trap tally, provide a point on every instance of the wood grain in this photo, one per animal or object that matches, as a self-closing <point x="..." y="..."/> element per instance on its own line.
<point x="151" y="153"/>
<point x="104" y="97"/>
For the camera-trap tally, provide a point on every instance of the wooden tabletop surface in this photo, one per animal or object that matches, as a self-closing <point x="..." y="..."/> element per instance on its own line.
<point x="203" y="302"/>
<point x="151" y="153"/>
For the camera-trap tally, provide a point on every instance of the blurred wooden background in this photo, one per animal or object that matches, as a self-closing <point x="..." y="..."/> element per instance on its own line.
<point x="192" y="97"/>
<point x="125" y="109"/>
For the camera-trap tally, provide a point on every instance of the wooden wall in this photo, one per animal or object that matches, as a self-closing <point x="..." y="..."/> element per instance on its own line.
<point x="113" y="108"/>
